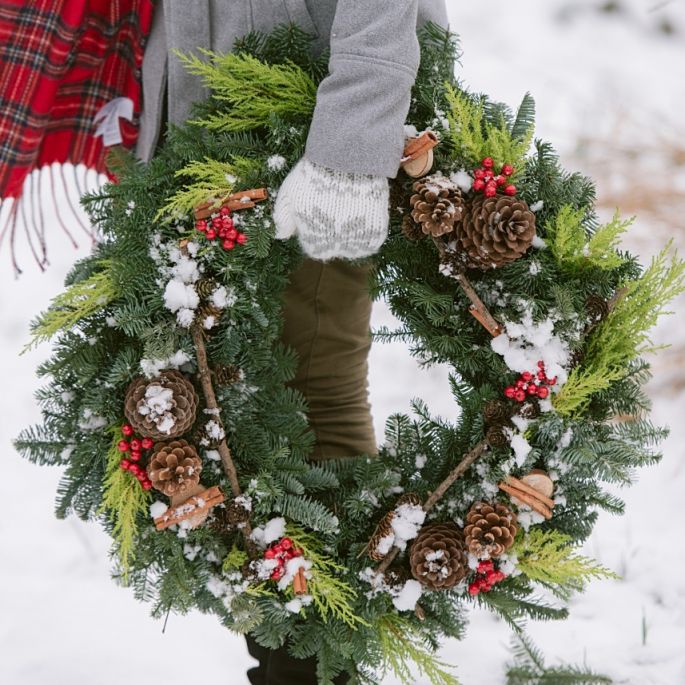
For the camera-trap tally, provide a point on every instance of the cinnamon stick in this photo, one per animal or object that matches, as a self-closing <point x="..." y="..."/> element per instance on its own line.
<point x="418" y="146"/>
<point x="300" y="582"/>
<point x="533" y="502"/>
<point x="193" y="506"/>
<point x="245" y="199"/>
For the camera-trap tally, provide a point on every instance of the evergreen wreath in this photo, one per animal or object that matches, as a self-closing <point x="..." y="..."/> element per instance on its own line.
<point x="168" y="381"/>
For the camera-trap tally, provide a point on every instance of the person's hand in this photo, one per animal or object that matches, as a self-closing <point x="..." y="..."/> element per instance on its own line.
<point x="179" y="498"/>
<point x="333" y="213"/>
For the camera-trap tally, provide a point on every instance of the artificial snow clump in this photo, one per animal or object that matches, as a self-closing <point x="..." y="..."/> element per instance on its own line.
<point x="157" y="509"/>
<point x="158" y="404"/>
<point x="153" y="367"/>
<point x="276" y="163"/>
<point x="91" y="421"/>
<point x="462" y="179"/>
<point x="223" y="297"/>
<point x="269" y="532"/>
<point x="408" y="596"/>
<point x="182" y="299"/>
<point x="406" y="523"/>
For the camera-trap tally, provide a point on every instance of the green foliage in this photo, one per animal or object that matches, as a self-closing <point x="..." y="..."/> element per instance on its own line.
<point x="80" y="300"/>
<point x="624" y="335"/>
<point x="575" y="251"/>
<point x="529" y="668"/>
<point x="213" y="181"/>
<point x="404" y="649"/>
<point x="549" y="557"/>
<point x="250" y="90"/>
<point x="473" y="137"/>
<point x="234" y="560"/>
<point x="124" y="500"/>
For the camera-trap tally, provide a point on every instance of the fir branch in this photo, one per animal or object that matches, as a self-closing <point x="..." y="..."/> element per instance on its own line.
<point x="575" y="251"/>
<point x="251" y="91"/>
<point x="123" y="500"/>
<point x="402" y="646"/>
<point x="548" y="557"/>
<point x="624" y="335"/>
<point x="78" y="301"/>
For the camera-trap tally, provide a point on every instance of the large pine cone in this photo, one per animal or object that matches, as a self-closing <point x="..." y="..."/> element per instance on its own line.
<point x="438" y="557"/>
<point x="162" y="408"/>
<point x="490" y="529"/>
<point x="437" y="205"/>
<point x="174" y="467"/>
<point x="496" y="231"/>
<point x="384" y="527"/>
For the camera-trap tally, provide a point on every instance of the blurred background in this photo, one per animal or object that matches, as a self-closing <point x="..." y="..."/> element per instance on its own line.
<point x="609" y="80"/>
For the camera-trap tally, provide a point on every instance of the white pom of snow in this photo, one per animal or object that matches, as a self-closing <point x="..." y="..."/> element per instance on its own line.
<point x="408" y="596"/>
<point x="292" y="566"/>
<point x="179" y="295"/>
<point x="222" y="297"/>
<point x="91" y="422"/>
<point x="294" y="605"/>
<point x="537" y="206"/>
<point x="410" y="131"/>
<point x="208" y="323"/>
<point x="213" y="455"/>
<point x="539" y="243"/>
<point x="463" y="179"/>
<point x="521" y="448"/>
<point x="276" y="162"/>
<point x="269" y="532"/>
<point x="153" y="367"/>
<point x="185" y="270"/>
<point x="157" y="509"/>
<point x="406" y="523"/>
<point x="185" y="317"/>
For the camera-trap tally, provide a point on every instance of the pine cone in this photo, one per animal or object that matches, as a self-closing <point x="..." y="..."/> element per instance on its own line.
<point x="174" y="467"/>
<point x="410" y="229"/>
<point x="530" y="409"/>
<point x="227" y="374"/>
<point x="597" y="309"/>
<point x="163" y="407"/>
<point x="497" y="436"/>
<point x="496" y="231"/>
<point x="384" y="527"/>
<point x="490" y="529"/>
<point x="230" y="516"/>
<point x="437" y="205"/>
<point x="205" y="287"/>
<point x="496" y="412"/>
<point x="209" y="310"/>
<point x="438" y="557"/>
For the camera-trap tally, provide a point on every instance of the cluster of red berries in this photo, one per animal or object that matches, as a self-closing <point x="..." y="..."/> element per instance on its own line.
<point x="487" y="182"/>
<point x="531" y="385"/>
<point x="282" y="551"/>
<point x="221" y="226"/>
<point x="486" y="576"/>
<point x="134" y="447"/>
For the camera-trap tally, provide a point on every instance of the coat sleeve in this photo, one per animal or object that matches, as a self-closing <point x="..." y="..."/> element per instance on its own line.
<point x="363" y="103"/>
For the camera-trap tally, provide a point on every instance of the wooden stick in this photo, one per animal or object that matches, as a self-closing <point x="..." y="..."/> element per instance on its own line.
<point x="478" y="309"/>
<point x="457" y="472"/>
<point x="223" y="448"/>
<point x="245" y="199"/>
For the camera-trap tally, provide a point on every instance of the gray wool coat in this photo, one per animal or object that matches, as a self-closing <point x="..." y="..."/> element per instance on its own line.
<point x="361" y="105"/>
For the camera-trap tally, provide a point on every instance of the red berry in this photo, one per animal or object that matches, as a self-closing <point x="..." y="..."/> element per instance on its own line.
<point x="136" y="455"/>
<point x="510" y="392"/>
<point x="507" y="170"/>
<point x="211" y="234"/>
<point x="478" y="184"/>
<point x="123" y="446"/>
<point x="527" y="376"/>
<point x="147" y="443"/>
<point x="520" y="383"/>
<point x="222" y="233"/>
<point x="201" y="225"/>
<point x="499" y="576"/>
<point x="147" y="485"/>
<point x="135" y="445"/>
<point x="488" y="163"/>
<point x="543" y="392"/>
<point x="488" y="176"/>
<point x="270" y="553"/>
<point x="228" y="244"/>
<point x="134" y="468"/>
<point x="541" y="364"/>
<point x="552" y="381"/>
<point x="216" y="221"/>
<point x="479" y="173"/>
<point x="125" y="464"/>
<point x="127" y="430"/>
<point x="542" y="376"/>
<point x="473" y="589"/>
<point x="511" y="189"/>
<point x="277" y="573"/>
<point x="225" y="211"/>
<point x="486" y="587"/>
<point x="227" y="222"/>
<point x="242" y="238"/>
<point x="491" y="577"/>
<point x="520" y="396"/>
<point x="500" y="180"/>
<point x="485" y="566"/>
<point x="533" y="390"/>
<point x="490" y="189"/>
<point x="286" y="543"/>
<point x="141" y="476"/>
<point x="231" y="234"/>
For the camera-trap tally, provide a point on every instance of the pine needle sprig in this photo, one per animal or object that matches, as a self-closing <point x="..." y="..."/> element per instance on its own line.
<point x="252" y="90"/>
<point x="78" y="301"/>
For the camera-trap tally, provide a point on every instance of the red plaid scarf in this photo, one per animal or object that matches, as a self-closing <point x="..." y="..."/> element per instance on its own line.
<point x="60" y="62"/>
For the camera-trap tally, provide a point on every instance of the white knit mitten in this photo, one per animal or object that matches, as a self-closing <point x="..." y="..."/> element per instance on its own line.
<point x="333" y="213"/>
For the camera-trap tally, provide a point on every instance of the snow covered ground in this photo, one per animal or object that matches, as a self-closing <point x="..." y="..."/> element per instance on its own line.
<point x="609" y="86"/>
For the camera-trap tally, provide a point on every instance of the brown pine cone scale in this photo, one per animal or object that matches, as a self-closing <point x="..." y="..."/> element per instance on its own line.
<point x="174" y="467"/>
<point x="438" y="556"/>
<point x="490" y="529"/>
<point x="437" y="205"/>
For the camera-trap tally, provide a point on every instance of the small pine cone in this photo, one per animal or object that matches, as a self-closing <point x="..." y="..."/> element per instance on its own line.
<point x="384" y="527"/>
<point x="496" y="231"/>
<point x="530" y="409"/>
<point x="205" y="287"/>
<point x="597" y="309"/>
<point x="397" y="575"/>
<point x="437" y="205"/>
<point x="497" y="436"/>
<point x="163" y="407"/>
<point x="490" y="529"/>
<point x="203" y="438"/>
<point x="174" y="467"/>
<point x="438" y="556"/>
<point x="496" y="412"/>
<point x="227" y="374"/>
<point x="410" y="229"/>
<point x="207" y="311"/>
<point x="232" y="515"/>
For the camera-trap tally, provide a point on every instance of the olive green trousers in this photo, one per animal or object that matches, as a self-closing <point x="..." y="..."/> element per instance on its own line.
<point x="327" y="311"/>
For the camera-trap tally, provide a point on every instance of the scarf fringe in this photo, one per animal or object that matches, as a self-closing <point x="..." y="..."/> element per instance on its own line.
<point x="50" y="195"/>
